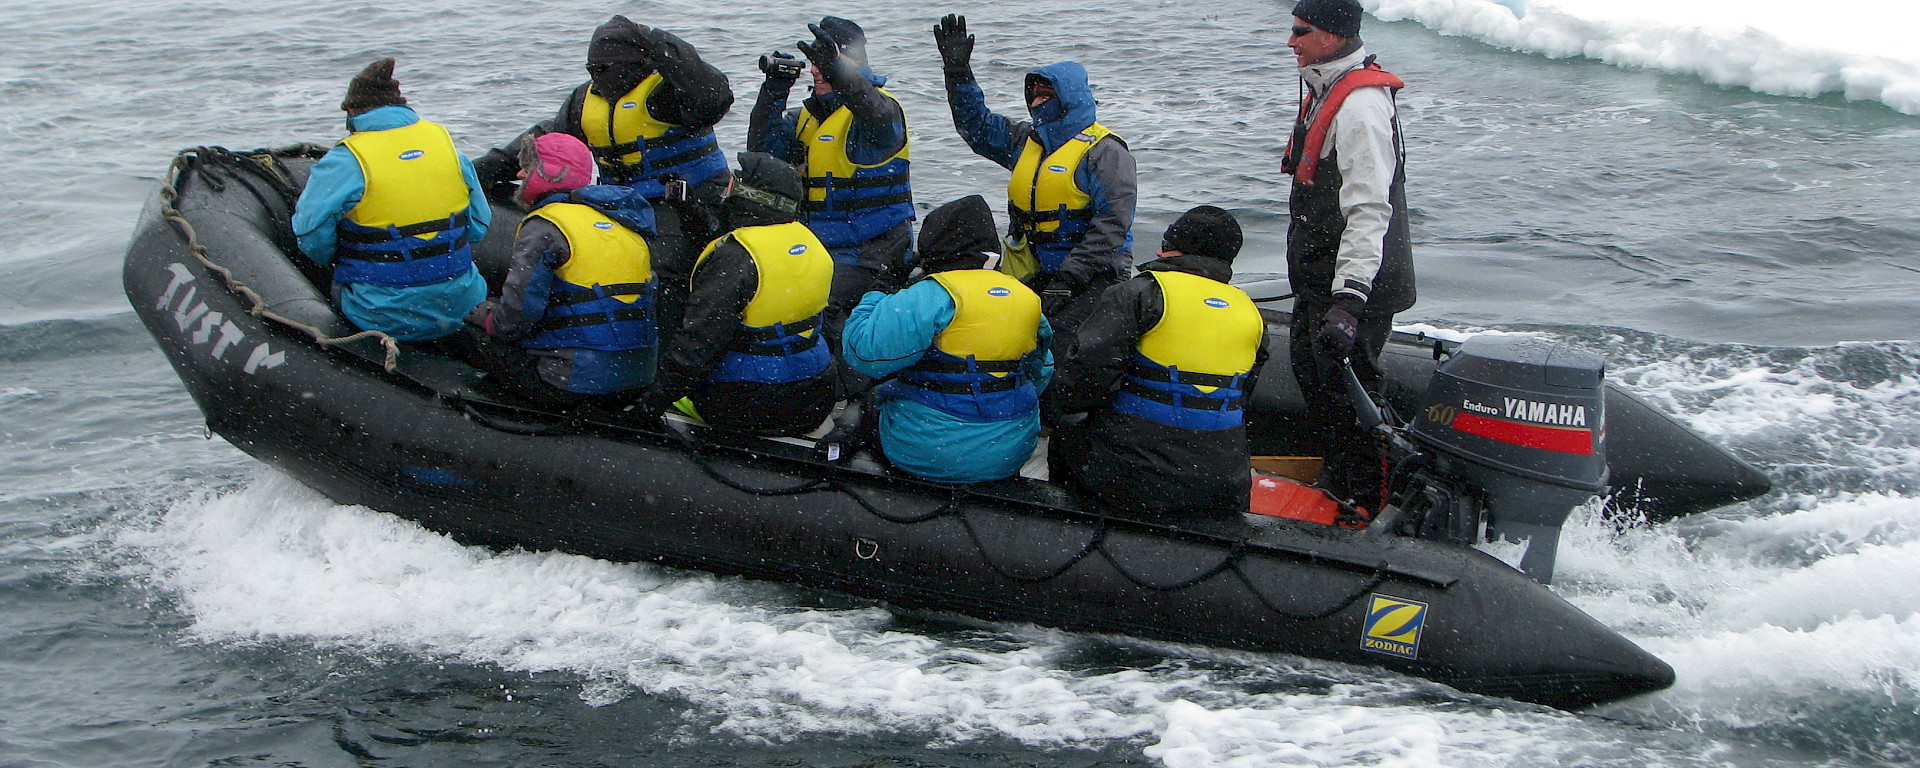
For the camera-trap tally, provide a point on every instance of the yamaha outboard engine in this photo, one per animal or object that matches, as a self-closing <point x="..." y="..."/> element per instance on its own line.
<point x="1515" y="435"/>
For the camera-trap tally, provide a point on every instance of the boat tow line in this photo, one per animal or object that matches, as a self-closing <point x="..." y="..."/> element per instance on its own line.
<point x="169" y="192"/>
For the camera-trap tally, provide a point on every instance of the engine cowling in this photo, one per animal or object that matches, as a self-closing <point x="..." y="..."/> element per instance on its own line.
<point x="1519" y="421"/>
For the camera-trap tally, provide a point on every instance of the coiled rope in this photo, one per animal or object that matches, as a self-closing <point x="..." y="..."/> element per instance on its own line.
<point x="170" y="193"/>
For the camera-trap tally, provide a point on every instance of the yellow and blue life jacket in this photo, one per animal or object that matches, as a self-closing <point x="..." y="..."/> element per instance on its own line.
<point x="848" y="203"/>
<point x="1046" y="208"/>
<point x="636" y="150"/>
<point x="976" y="369"/>
<point x="1188" y="369"/>
<point x="410" y="226"/>
<point x="779" y="338"/>
<point x="602" y="297"/>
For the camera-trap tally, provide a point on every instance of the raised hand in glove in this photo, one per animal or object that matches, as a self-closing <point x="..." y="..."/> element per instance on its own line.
<point x="780" y="65"/>
<point x="956" y="46"/>
<point x="823" y="51"/>
<point x="1337" y="331"/>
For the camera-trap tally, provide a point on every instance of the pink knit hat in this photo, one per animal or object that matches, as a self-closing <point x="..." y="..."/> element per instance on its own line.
<point x="558" y="163"/>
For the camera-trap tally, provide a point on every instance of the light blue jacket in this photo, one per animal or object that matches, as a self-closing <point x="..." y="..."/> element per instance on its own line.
<point x="889" y="332"/>
<point x="412" y="313"/>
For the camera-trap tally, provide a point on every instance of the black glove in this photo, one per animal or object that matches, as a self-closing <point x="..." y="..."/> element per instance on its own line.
<point x="481" y="316"/>
<point x="845" y="437"/>
<point x="1079" y="275"/>
<point x="956" y="46"/>
<point x="1337" y="332"/>
<point x="823" y="51"/>
<point x="780" y="65"/>
<point x="1056" y="291"/>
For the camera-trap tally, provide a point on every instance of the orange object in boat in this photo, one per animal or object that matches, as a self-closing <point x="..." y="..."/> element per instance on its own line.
<point x="1280" y="497"/>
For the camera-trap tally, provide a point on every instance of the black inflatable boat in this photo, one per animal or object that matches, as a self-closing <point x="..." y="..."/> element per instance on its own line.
<point x="278" y="373"/>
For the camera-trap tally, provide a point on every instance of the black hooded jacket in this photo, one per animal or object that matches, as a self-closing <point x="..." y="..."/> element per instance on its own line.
<point x="693" y="93"/>
<point x="1131" y="462"/>
<point x="721" y="287"/>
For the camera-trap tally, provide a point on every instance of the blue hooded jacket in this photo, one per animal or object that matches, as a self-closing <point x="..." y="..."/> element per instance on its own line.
<point x="888" y="333"/>
<point x="1070" y="112"/>
<point x="410" y="313"/>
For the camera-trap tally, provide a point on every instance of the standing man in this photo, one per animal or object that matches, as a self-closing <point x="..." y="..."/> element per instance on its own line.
<point x="1070" y="199"/>
<point x="849" y="139"/>
<point x="395" y="207"/>
<point x="1163" y="368"/>
<point x="966" y="350"/>
<point x="1349" y="254"/>
<point x="574" y="322"/>
<point x="647" y="111"/>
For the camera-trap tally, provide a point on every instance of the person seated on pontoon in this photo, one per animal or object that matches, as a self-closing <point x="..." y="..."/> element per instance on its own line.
<point x="964" y="351"/>
<point x="750" y="355"/>
<point x="1162" y="369"/>
<point x="394" y="207"/>
<point x="576" y="312"/>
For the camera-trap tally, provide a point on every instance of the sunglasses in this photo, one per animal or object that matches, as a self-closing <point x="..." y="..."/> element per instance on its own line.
<point x="1303" y="31"/>
<point x="598" y="67"/>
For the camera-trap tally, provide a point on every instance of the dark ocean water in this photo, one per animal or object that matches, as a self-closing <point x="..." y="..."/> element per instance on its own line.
<point x="1746" y="261"/>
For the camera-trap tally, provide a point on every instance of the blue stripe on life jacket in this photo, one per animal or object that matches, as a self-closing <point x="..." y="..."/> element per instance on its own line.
<point x="776" y="354"/>
<point x="392" y="256"/>
<point x="965" y="389"/>
<point x="1157" y="393"/>
<point x="589" y="318"/>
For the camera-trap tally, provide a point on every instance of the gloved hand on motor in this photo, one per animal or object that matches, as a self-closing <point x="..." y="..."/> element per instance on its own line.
<point x="780" y="65"/>
<point x="956" y="47"/>
<point x="1339" y="328"/>
<point x="823" y="51"/>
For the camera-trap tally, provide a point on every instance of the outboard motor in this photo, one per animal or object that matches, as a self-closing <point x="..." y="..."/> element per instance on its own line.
<point x="1514" y="433"/>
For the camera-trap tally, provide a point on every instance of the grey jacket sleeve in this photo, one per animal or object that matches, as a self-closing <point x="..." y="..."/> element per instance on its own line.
<point x="537" y="251"/>
<point x="1363" y="135"/>
<point x="1105" y="245"/>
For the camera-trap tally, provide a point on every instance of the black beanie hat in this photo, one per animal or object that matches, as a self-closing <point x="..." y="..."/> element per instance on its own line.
<point x="846" y="34"/>
<point x="1204" y="231"/>
<point x="1341" y="17"/>
<point x="618" y="40"/>
<point x="373" y="87"/>
<point x="958" y="235"/>
<point x="764" y="172"/>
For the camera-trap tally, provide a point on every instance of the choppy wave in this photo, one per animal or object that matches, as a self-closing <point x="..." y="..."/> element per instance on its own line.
<point x="763" y="664"/>
<point x="1858" y="48"/>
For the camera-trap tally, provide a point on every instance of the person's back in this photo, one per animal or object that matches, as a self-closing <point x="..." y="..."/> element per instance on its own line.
<point x="966" y="353"/>
<point x="395" y="207"/>
<point x="750" y="355"/>
<point x="577" y="302"/>
<point x="1163" y="368"/>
